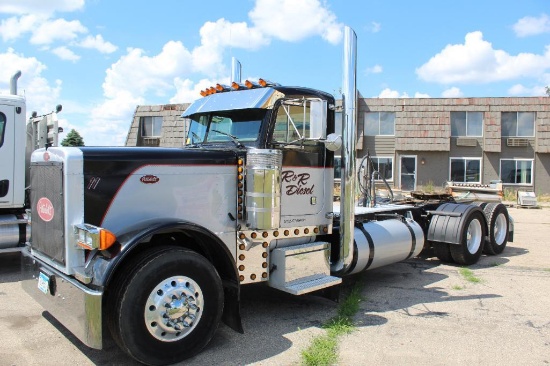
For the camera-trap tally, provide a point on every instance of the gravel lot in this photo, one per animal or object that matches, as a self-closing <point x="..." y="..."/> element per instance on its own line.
<point x="414" y="313"/>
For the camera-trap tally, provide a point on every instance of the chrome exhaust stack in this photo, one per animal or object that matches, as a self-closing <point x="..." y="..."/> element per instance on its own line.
<point x="235" y="71"/>
<point x="13" y="82"/>
<point x="349" y="123"/>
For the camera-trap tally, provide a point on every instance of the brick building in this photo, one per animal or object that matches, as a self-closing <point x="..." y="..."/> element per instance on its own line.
<point x="422" y="141"/>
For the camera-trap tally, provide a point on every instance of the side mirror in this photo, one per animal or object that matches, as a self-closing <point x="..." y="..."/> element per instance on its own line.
<point x="333" y="142"/>
<point x="318" y="119"/>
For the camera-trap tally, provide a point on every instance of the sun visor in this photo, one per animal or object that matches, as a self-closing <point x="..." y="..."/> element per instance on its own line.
<point x="242" y="99"/>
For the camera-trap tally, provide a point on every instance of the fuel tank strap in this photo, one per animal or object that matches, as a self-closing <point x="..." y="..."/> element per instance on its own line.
<point x="371" y="246"/>
<point x="413" y="238"/>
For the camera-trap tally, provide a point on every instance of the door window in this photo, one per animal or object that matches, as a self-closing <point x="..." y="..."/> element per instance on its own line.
<point x="408" y="173"/>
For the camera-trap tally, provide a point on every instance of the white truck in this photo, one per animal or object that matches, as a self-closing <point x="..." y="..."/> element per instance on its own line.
<point x="154" y="244"/>
<point x="17" y="141"/>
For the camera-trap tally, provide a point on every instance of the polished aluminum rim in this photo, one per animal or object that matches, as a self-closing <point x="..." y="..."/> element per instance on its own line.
<point x="500" y="229"/>
<point x="473" y="236"/>
<point x="173" y="308"/>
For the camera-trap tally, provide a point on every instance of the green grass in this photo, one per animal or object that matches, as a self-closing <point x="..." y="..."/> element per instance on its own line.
<point x="495" y="264"/>
<point x="469" y="275"/>
<point x="323" y="349"/>
<point x="547" y="269"/>
<point x="457" y="287"/>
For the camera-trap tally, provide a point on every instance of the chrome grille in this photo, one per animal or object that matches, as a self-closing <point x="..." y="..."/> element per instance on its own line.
<point x="46" y="232"/>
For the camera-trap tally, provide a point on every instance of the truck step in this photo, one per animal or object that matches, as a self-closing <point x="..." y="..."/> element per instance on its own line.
<point x="306" y="286"/>
<point x="300" y="269"/>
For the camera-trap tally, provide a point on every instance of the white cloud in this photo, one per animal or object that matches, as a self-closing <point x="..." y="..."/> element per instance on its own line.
<point x="12" y="28"/>
<point x="453" y="92"/>
<point x="421" y="95"/>
<point x="292" y="21"/>
<point x="476" y="61"/>
<point x="58" y="29"/>
<point x="388" y="93"/>
<point x="39" y="6"/>
<point x="375" y="27"/>
<point x="520" y="90"/>
<point x="40" y="95"/>
<point x="188" y="91"/>
<point x="531" y="26"/>
<point x="376" y="69"/>
<point x="65" y="54"/>
<point x="97" y="43"/>
<point x="138" y="73"/>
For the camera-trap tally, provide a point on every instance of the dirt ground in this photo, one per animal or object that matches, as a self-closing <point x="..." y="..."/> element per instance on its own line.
<point x="416" y="312"/>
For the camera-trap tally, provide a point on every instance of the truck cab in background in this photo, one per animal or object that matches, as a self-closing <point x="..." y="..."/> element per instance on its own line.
<point x="17" y="141"/>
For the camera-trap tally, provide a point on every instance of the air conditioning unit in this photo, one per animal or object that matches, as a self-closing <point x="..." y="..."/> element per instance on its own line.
<point x="462" y="141"/>
<point x="527" y="199"/>
<point x="517" y="142"/>
<point x="151" y="141"/>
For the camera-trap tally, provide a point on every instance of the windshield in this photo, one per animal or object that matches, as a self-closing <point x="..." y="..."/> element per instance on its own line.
<point x="241" y="125"/>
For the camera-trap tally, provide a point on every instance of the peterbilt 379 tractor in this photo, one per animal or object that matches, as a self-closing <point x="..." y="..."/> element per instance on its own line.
<point x="153" y="245"/>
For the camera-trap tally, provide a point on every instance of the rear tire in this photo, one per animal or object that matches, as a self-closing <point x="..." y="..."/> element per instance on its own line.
<point x="443" y="252"/>
<point x="497" y="228"/>
<point x="168" y="308"/>
<point x="473" y="237"/>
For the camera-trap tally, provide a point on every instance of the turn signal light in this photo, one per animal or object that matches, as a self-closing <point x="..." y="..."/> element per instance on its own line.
<point x="92" y="237"/>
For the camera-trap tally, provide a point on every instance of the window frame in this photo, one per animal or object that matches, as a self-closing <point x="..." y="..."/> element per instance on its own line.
<point x="517" y="124"/>
<point x="531" y="178"/>
<point x="379" y="124"/>
<point x="143" y="121"/>
<point x="466" y="127"/>
<point x="466" y="159"/>
<point x="377" y="167"/>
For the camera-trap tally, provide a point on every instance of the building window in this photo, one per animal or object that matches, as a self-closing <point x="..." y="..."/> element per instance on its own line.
<point x="383" y="165"/>
<point x="516" y="171"/>
<point x="468" y="124"/>
<point x="151" y="126"/>
<point x="465" y="170"/>
<point x="2" y="127"/>
<point x="379" y="123"/>
<point x="337" y="167"/>
<point x="518" y="124"/>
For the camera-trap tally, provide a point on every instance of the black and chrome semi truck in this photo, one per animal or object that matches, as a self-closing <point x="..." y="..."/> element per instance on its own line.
<point x="153" y="245"/>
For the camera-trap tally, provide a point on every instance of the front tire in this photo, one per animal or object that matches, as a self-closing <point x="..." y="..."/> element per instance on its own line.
<point x="473" y="237"/>
<point x="168" y="307"/>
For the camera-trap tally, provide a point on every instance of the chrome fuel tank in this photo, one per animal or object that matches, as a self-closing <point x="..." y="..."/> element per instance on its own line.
<point x="379" y="243"/>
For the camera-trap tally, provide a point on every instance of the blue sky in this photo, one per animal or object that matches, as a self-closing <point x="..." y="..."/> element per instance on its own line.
<point x="101" y="58"/>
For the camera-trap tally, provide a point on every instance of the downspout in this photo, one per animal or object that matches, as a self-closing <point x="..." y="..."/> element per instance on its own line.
<point x="13" y="82"/>
<point x="235" y="70"/>
<point x="349" y="123"/>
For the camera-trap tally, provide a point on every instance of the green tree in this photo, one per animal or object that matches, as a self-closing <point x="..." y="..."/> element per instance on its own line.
<point x="73" y="138"/>
<point x="548" y="91"/>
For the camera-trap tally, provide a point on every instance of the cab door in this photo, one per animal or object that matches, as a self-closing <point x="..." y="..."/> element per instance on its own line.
<point x="7" y="158"/>
<point x="305" y="177"/>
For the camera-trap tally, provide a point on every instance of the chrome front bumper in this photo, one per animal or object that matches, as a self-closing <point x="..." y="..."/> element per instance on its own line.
<point x="75" y="306"/>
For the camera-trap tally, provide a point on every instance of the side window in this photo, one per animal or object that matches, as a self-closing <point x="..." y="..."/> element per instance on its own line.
<point x="2" y="128"/>
<point x="292" y="123"/>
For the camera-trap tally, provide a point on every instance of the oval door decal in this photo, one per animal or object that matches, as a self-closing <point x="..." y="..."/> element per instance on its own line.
<point x="149" y="179"/>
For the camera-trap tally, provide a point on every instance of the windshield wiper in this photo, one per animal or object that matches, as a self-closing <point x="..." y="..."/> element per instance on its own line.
<point x="233" y="138"/>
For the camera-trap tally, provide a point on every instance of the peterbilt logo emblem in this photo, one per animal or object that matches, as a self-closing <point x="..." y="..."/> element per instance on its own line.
<point x="45" y="210"/>
<point x="149" y="179"/>
<point x="46" y="156"/>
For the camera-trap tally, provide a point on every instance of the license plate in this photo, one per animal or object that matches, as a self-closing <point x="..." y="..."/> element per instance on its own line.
<point x="43" y="283"/>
